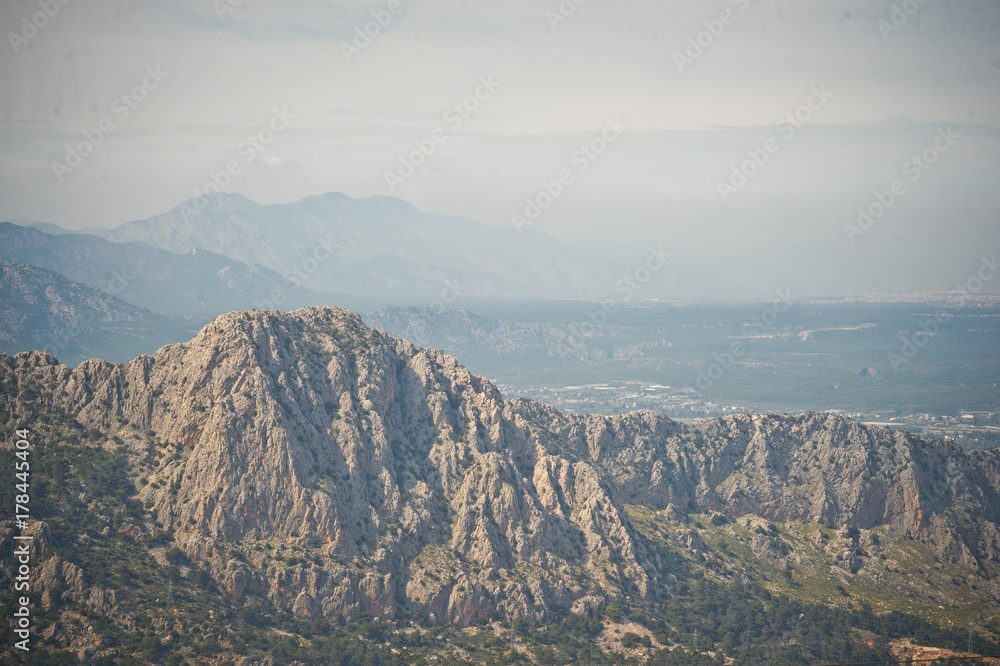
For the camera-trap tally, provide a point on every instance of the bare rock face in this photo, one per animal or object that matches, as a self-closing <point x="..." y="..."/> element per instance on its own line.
<point x="769" y="547"/>
<point x="690" y="540"/>
<point x="57" y="574"/>
<point x="41" y="538"/>
<point x="339" y="470"/>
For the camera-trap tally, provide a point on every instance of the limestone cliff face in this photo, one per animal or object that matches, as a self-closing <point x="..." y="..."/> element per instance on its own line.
<point x="336" y="469"/>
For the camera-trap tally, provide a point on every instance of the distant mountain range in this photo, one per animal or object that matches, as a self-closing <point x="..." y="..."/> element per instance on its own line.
<point x="371" y="246"/>
<point x="195" y="281"/>
<point x="224" y="252"/>
<point x="44" y="310"/>
<point x="383" y="246"/>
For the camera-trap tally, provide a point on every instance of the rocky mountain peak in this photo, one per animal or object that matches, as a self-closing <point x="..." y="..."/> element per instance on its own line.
<point x="411" y="485"/>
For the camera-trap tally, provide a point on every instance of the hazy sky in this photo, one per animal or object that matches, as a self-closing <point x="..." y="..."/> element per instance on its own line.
<point x="884" y="85"/>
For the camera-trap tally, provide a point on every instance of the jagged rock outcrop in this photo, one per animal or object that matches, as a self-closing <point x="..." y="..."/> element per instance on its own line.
<point x="336" y="469"/>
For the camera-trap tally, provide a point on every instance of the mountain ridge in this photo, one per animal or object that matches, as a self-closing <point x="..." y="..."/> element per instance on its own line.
<point x="44" y="309"/>
<point x="384" y="245"/>
<point x="308" y="431"/>
<point x="306" y="463"/>
<point x="150" y="277"/>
